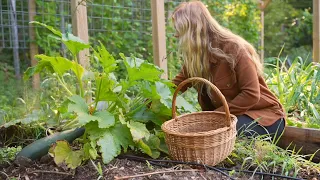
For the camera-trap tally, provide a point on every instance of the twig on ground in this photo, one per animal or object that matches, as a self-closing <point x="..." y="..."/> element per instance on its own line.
<point x="26" y="177"/>
<point x="203" y="176"/>
<point x="52" y="172"/>
<point x="159" y="172"/>
<point x="5" y="174"/>
<point x="106" y="171"/>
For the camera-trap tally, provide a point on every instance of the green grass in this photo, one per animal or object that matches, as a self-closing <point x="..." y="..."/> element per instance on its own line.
<point x="17" y="101"/>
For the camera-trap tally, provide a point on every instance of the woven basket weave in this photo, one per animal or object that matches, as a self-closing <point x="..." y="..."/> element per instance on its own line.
<point x="206" y="137"/>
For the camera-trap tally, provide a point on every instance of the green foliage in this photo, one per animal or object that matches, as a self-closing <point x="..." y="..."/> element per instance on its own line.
<point x="285" y="25"/>
<point x="62" y="153"/>
<point x="10" y="91"/>
<point x="240" y="16"/>
<point x="129" y="29"/>
<point x="18" y="104"/>
<point x="300" y="32"/>
<point x="296" y="87"/>
<point x="8" y="154"/>
<point x="48" y="43"/>
<point x="126" y="119"/>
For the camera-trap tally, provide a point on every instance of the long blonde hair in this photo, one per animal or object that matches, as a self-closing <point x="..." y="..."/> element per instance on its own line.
<point x="201" y="38"/>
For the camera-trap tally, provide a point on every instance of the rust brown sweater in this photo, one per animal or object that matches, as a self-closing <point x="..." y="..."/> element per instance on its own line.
<point x="245" y="91"/>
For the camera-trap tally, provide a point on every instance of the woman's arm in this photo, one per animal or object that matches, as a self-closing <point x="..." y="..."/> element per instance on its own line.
<point x="181" y="76"/>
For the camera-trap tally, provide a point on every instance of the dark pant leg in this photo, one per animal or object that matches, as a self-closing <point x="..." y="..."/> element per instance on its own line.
<point x="248" y="127"/>
<point x="277" y="128"/>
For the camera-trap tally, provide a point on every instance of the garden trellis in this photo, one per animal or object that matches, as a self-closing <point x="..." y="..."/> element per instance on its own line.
<point x="107" y="20"/>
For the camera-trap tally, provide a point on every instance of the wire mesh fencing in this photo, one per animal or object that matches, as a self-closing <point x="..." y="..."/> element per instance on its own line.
<point x="11" y="16"/>
<point x="123" y="26"/>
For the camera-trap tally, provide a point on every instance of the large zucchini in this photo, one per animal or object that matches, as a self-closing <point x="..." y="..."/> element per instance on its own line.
<point x="41" y="147"/>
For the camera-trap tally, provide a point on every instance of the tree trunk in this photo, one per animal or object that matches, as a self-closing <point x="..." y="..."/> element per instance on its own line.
<point x="34" y="50"/>
<point x="16" y="60"/>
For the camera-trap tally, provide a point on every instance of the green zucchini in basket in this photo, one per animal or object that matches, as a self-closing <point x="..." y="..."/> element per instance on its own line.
<point x="41" y="147"/>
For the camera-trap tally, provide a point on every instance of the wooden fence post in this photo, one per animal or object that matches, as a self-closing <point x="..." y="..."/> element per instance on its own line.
<point x="262" y="36"/>
<point x="33" y="45"/>
<point x="316" y="30"/>
<point x="80" y="27"/>
<point x="159" y="35"/>
<point x="262" y="5"/>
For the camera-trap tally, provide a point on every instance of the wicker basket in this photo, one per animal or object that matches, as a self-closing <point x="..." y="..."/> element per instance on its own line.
<point x="206" y="137"/>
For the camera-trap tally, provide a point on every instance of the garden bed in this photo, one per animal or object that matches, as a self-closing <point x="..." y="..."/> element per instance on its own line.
<point x="45" y="169"/>
<point x="306" y="138"/>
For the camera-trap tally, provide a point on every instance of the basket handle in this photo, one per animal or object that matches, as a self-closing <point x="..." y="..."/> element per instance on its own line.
<point x="193" y="79"/>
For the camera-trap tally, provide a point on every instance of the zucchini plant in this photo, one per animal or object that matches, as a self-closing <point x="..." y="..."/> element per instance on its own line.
<point x="117" y="113"/>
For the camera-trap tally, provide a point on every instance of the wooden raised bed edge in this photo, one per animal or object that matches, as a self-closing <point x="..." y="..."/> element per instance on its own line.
<point x="307" y="138"/>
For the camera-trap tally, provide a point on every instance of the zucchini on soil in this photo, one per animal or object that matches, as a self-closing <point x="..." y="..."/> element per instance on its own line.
<point x="41" y="147"/>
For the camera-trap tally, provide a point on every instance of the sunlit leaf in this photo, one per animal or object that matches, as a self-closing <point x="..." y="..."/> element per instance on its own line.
<point x="145" y="148"/>
<point x="74" y="159"/>
<point x="78" y="104"/>
<point x="74" y="43"/>
<point x="138" y="130"/>
<point x="122" y="133"/>
<point x="54" y="31"/>
<point x="141" y="70"/>
<point x="182" y="103"/>
<point x="104" y="90"/>
<point x="105" y="58"/>
<point x="109" y="147"/>
<point x="105" y="119"/>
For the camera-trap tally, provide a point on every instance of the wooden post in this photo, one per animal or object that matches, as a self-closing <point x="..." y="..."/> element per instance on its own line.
<point x="33" y="45"/>
<point x="262" y="37"/>
<point x="80" y="27"/>
<point x="262" y="5"/>
<point x="159" y="35"/>
<point x="316" y="30"/>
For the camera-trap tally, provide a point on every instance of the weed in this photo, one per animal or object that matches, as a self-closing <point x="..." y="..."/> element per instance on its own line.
<point x="7" y="154"/>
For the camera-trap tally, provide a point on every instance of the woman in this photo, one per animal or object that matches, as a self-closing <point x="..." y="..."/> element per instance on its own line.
<point x="228" y="61"/>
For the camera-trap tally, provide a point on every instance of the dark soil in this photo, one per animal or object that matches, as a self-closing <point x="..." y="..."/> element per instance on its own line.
<point x="45" y="169"/>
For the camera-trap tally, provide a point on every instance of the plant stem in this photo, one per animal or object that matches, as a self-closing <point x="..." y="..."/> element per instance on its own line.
<point x="64" y="86"/>
<point x="138" y="108"/>
<point x="111" y="107"/>
<point x="72" y="122"/>
<point x="98" y="95"/>
<point x="40" y="126"/>
<point x="78" y="77"/>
